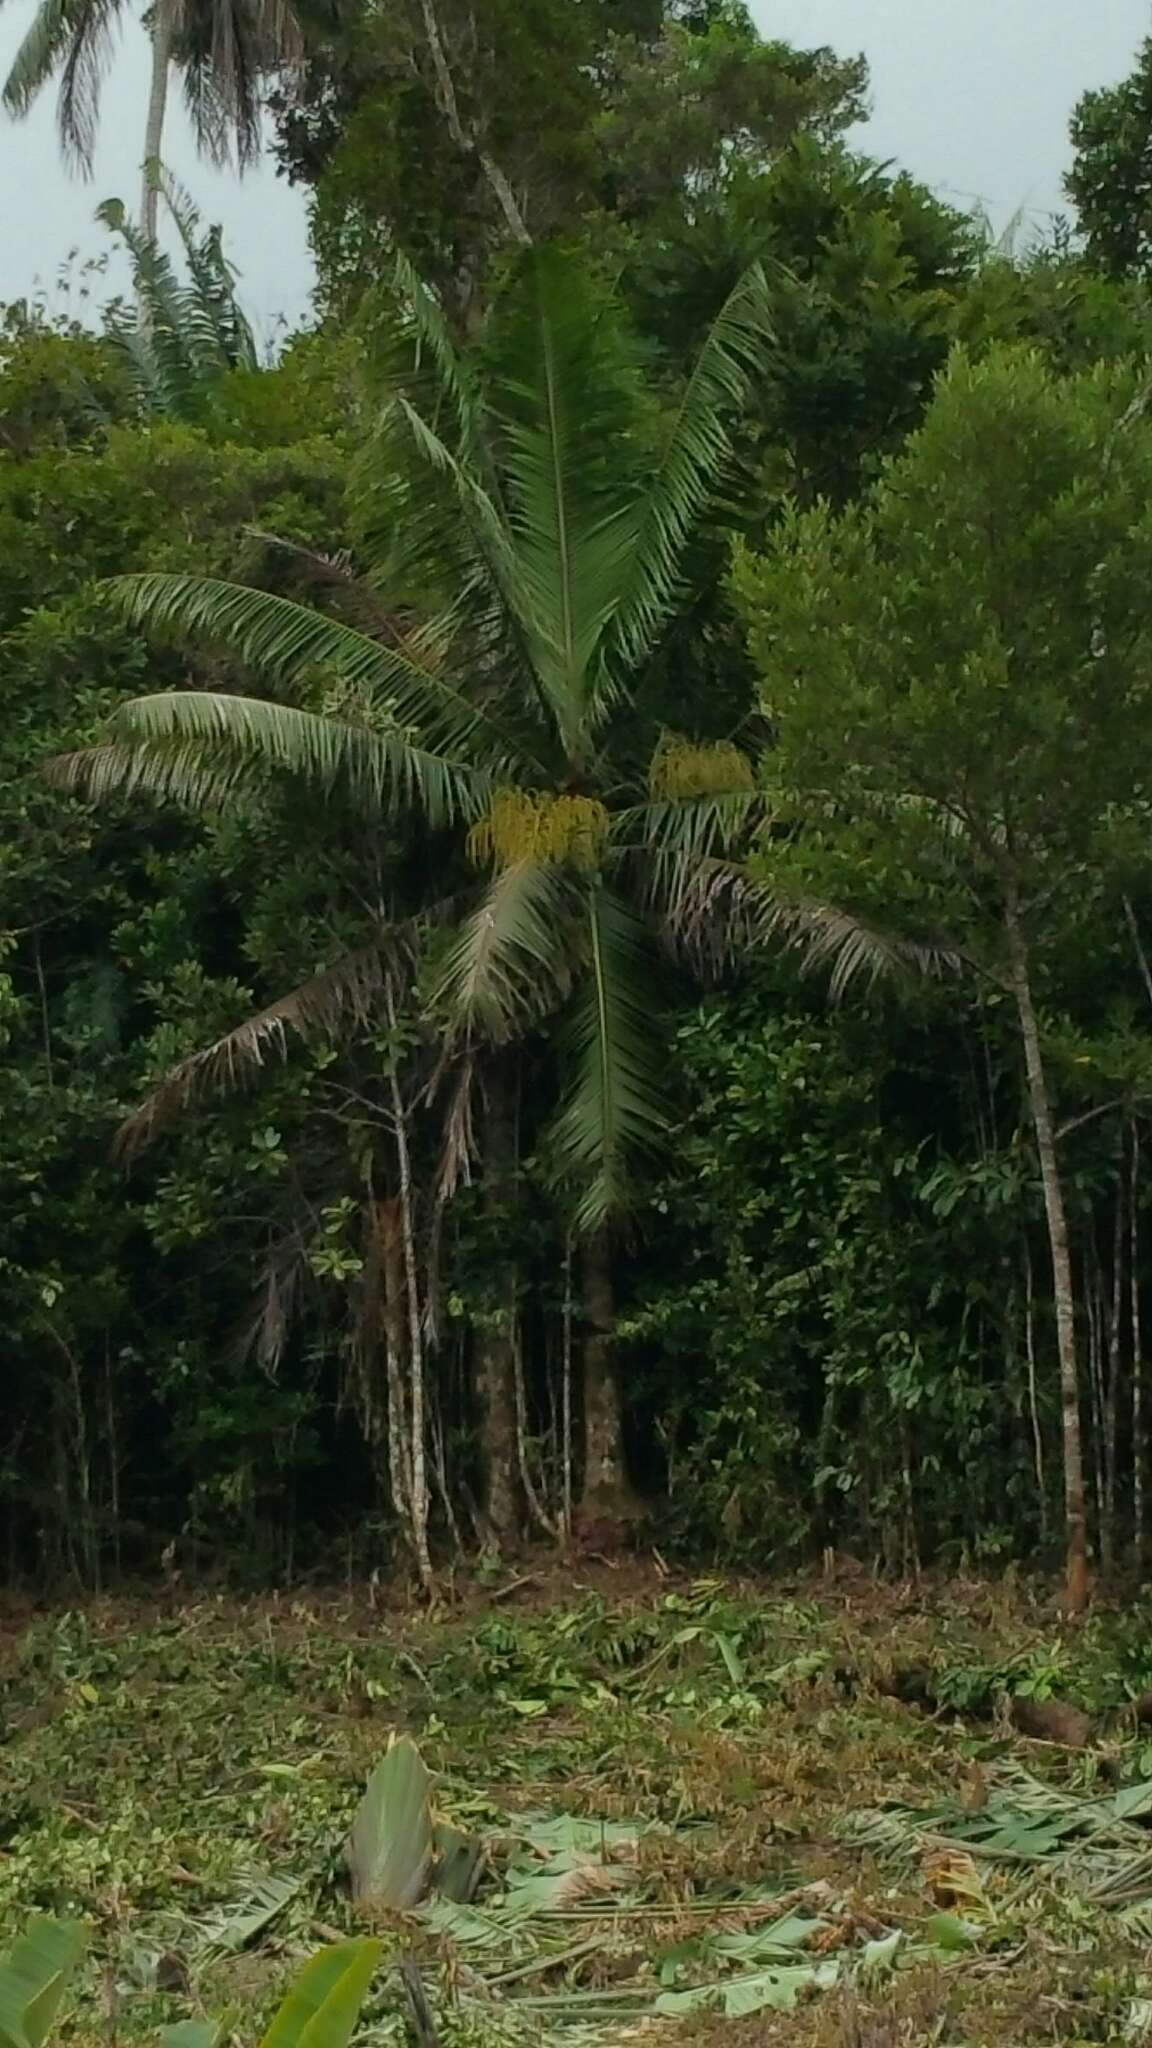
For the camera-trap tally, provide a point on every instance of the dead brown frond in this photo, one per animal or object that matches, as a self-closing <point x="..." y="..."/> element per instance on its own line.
<point x="267" y="1331"/>
<point x="334" y="1001"/>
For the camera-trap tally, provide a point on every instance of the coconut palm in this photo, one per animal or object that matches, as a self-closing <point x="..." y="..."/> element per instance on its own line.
<point x="223" y="48"/>
<point x="518" y="505"/>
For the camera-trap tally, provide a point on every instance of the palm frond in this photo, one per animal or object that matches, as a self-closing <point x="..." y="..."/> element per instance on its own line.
<point x="692" y="826"/>
<point x="291" y="641"/>
<point x="330" y="1003"/>
<point x="202" y="749"/>
<point x="696" y="449"/>
<point x="513" y="960"/>
<point x="829" y="936"/>
<point x="567" y="408"/>
<point x="86" y="58"/>
<point x="615" y="1112"/>
<point x="716" y="912"/>
<point x="712" y="910"/>
<point x="224" y="53"/>
<point x="39" y="54"/>
<point x="437" y="368"/>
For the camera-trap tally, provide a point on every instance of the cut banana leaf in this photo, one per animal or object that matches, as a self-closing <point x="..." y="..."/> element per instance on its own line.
<point x="759" y="1991"/>
<point x="323" y="2005"/>
<point x="232" y="1927"/>
<point x="391" y="1846"/>
<point x="33" y="1979"/>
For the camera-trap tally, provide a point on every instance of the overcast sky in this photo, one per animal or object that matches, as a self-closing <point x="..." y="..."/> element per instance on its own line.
<point x="974" y="98"/>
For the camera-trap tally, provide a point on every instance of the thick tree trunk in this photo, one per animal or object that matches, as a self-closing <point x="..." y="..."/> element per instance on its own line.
<point x="154" y="125"/>
<point x="1062" y="1285"/>
<point x="605" y="1492"/>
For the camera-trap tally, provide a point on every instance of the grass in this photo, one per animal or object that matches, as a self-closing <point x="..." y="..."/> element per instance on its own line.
<point x="183" y="1776"/>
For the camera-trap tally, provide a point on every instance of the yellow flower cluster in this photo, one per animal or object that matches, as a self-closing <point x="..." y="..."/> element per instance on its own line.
<point x="683" y="768"/>
<point x="523" y="824"/>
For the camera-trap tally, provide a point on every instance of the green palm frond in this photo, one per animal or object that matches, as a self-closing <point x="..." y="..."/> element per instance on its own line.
<point x="328" y="1005"/>
<point x="225" y="51"/>
<point x="693" y="826"/>
<point x="86" y="60"/>
<point x="201" y="748"/>
<point x="567" y="418"/>
<point x="290" y="642"/>
<point x="193" y="332"/>
<point x="39" y="54"/>
<point x="696" y="449"/>
<point x="615" y="1113"/>
<point x="512" y="963"/>
<point x="436" y="369"/>
<point x="72" y="38"/>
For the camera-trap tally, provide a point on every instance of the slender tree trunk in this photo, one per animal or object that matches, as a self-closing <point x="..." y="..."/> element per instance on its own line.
<point x="391" y="1257"/>
<point x="1062" y="1284"/>
<point x="154" y="126"/>
<point x="496" y="1345"/>
<point x="1137" y="1358"/>
<point x="449" y="107"/>
<point x="1033" y="1392"/>
<point x="417" y="1387"/>
<point x="605" y="1491"/>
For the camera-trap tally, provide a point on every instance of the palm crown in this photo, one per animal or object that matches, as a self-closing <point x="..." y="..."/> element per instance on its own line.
<point x="523" y="501"/>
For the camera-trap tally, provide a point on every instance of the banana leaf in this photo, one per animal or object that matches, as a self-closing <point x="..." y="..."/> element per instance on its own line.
<point x="324" y="2000"/>
<point x="392" y="1843"/>
<point x="33" y="1979"/>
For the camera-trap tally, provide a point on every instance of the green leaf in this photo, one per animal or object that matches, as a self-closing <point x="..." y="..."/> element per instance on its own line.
<point x="392" y="1844"/>
<point x="947" y="1930"/>
<point x="33" y="1979"/>
<point x="191" y="2034"/>
<point x="324" y="2002"/>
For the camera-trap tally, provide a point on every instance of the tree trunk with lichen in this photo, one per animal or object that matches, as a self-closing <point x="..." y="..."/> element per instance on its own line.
<point x="1075" y="1529"/>
<point x="605" y="1494"/>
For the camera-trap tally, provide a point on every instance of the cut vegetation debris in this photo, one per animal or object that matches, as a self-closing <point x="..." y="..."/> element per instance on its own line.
<point x="698" y="1807"/>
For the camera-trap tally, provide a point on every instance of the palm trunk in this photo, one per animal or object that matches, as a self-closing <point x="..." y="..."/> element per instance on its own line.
<point x="605" y="1491"/>
<point x="1062" y="1285"/>
<point x="496" y="1346"/>
<point x="154" y="126"/>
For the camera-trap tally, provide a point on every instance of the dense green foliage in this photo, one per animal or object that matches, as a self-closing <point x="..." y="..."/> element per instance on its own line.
<point x="448" y="925"/>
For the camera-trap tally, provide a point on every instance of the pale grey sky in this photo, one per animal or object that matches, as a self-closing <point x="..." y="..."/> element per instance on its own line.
<point x="974" y="98"/>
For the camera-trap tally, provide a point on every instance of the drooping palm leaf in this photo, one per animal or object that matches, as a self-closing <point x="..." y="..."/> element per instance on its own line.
<point x="72" y="37"/>
<point x="290" y="641"/>
<point x="513" y="961"/>
<point x="334" y="1001"/>
<point x="616" y="1111"/>
<point x="225" y="50"/>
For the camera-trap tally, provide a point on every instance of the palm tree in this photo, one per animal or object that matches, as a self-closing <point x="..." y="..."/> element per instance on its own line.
<point x="193" y="331"/>
<point x="224" y="48"/>
<point x="518" y="498"/>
